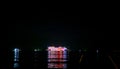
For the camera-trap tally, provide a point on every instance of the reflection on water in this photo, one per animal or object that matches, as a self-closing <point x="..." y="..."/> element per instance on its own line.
<point x="57" y="60"/>
<point x="57" y="65"/>
<point x="61" y="63"/>
<point x="16" y="54"/>
<point x="16" y="65"/>
<point x="57" y="56"/>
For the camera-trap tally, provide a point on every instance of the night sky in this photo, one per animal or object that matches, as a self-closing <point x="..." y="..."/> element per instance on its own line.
<point x="72" y="29"/>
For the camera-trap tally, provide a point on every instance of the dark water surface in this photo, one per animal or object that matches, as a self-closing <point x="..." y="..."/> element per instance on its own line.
<point x="75" y="60"/>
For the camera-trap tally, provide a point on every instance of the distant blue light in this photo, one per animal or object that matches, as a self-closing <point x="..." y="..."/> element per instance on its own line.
<point x="65" y="54"/>
<point x="16" y="54"/>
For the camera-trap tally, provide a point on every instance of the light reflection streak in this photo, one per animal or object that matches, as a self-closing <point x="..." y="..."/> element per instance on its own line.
<point x="57" y="65"/>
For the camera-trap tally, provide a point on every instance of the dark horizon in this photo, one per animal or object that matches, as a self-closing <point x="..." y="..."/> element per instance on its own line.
<point x="73" y="29"/>
<point x="35" y="33"/>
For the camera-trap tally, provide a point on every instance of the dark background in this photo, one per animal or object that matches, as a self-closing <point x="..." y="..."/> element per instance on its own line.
<point x="74" y="29"/>
<point x="85" y="26"/>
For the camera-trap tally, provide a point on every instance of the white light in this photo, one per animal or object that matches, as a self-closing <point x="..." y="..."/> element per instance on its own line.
<point x="35" y="50"/>
<point x="64" y="48"/>
<point x="97" y="50"/>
